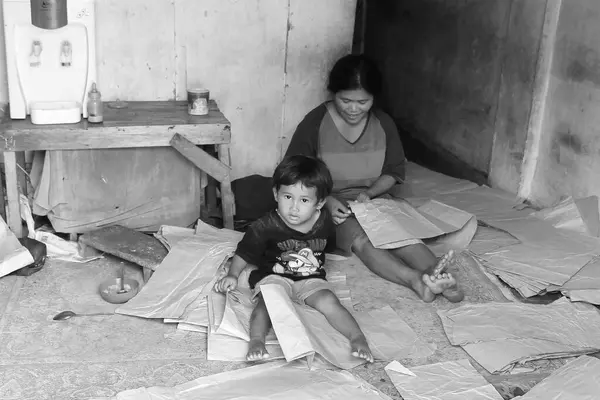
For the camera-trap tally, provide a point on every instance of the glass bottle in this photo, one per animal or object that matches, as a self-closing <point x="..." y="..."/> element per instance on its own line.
<point x="94" y="105"/>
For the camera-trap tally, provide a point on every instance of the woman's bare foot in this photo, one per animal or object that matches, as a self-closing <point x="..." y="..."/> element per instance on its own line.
<point x="422" y="290"/>
<point x="257" y="350"/>
<point x="439" y="283"/>
<point x="443" y="263"/>
<point x="360" y="349"/>
<point x="454" y="294"/>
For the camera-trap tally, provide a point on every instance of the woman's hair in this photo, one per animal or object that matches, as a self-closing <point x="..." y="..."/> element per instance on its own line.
<point x="355" y="72"/>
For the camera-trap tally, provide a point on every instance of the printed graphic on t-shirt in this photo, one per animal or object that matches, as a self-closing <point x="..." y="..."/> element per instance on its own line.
<point x="300" y="258"/>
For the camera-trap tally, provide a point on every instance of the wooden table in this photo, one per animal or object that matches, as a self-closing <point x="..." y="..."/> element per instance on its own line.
<point x="140" y="124"/>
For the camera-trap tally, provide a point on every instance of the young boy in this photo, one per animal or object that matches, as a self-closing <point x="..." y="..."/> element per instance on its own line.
<point x="287" y="246"/>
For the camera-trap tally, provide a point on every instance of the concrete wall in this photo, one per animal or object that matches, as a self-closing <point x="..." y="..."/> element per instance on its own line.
<point x="265" y="61"/>
<point x="515" y="94"/>
<point x="458" y="78"/>
<point x="568" y="160"/>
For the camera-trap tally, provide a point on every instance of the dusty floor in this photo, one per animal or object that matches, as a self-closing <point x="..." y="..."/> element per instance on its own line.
<point x="99" y="356"/>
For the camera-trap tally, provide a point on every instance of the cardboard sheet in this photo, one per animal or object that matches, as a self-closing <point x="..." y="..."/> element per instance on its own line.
<point x="501" y="335"/>
<point x="13" y="255"/>
<point x="271" y="381"/>
<point x="451" y="380"/>
<point x="577" y="380"/>
<point x="188" y="271"/>
<point x="391" y="224"/>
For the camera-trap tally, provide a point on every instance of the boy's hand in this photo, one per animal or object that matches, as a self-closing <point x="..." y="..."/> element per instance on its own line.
<point x="226" y="284"/>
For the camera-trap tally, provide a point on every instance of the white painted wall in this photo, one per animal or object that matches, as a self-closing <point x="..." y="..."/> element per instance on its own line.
<point x="3" y="82"/>
<point x="264" y="76"/>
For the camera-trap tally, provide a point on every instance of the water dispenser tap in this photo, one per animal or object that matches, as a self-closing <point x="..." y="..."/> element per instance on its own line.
<point x="66" y="52"/>
<point x="34" y="56"/>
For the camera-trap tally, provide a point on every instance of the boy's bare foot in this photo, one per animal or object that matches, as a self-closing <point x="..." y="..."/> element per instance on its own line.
<point x="257" y="350"/>
<point x="360" y="349"/>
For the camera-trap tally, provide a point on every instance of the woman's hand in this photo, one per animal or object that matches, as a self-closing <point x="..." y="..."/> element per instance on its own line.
<point x="363" y="197"/>
<point x="339" y="211"/>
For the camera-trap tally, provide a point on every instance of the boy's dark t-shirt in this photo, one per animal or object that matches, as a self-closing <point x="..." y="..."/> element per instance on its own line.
<point x="275" y="248"/>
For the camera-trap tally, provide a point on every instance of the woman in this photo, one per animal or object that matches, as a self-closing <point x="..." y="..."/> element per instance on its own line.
<point x="361" y="146"/>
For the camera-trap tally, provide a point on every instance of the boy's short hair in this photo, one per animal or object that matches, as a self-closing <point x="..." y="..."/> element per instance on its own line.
<point x="310" y="171"/>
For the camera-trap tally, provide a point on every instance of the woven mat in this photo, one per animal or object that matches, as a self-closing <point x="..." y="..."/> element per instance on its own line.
<point x="86" y="356"/>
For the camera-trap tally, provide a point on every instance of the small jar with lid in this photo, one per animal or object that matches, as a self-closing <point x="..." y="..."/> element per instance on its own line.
<point x="94" y="105"/>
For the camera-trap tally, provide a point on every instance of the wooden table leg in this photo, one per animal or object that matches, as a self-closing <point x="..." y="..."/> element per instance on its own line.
<point x="219" y="169"/>
<point x="227" y="199"/>
<point x="12" y="193"/>
<point x="21" y="175"/>
<point x="2" y="201"/>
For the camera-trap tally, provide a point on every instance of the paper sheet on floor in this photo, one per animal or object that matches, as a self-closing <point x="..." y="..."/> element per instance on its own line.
<point x="13" y="255"/>
<point x="269" y="381"/>
<point x="229" y="319"/>
<point x="422" y="182"/>
<point x="489" y="239"/>
<point x="188" y="271"/>
<point x="306" y="331"/>
<point x="303" y="331"/>
<point x="391" y="224"/>
<point x="585" y="284"/>
<point x="222" y="342"/>
<point x="579" y="215"/>
<point x="577" y="380"/>
<point x="235" y="318"/>
<point x="197" y="312"/>
<point x="500" y="336"/>
<point x="539" y="266"/>
<point x="499" y="209"/>
<point x="56" y="247"/>
<point x="520" y="265"/>
<point x="451" y="380"/>
<point x="169" y="236"/>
